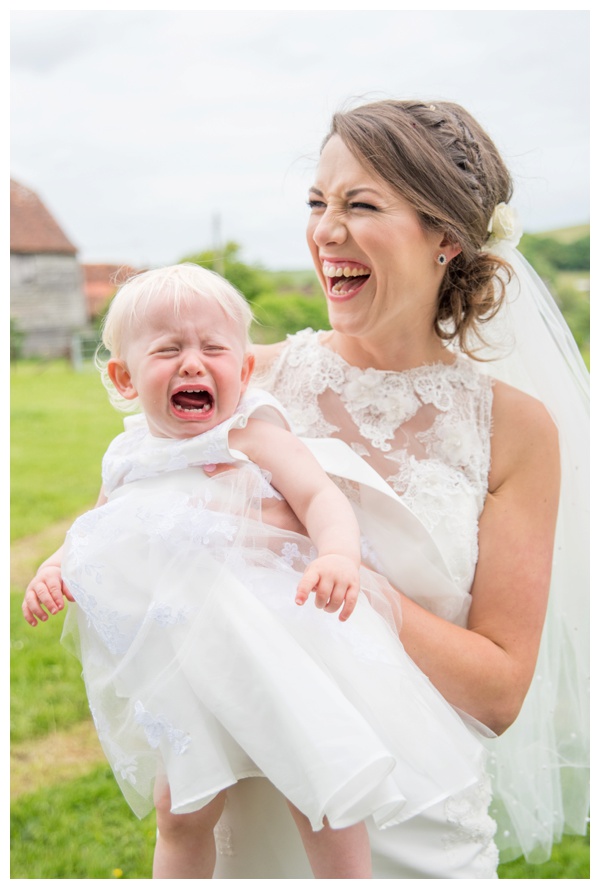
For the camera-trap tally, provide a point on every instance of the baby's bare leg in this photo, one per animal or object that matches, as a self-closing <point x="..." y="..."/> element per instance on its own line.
<point x="343" y="854"/>
<point x="185" y="844"/>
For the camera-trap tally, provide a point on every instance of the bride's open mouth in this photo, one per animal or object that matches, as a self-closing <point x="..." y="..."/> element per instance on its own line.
<point x="193" y="401"/>
<point x="345" y="279"/>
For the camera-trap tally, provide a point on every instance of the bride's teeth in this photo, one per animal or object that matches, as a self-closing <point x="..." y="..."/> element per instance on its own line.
<point x="332" y="271"/>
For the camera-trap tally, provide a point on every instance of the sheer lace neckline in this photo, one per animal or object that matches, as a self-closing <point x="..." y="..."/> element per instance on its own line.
<point x="417" y="370"/>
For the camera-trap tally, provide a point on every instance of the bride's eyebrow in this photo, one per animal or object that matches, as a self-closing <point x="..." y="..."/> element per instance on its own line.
<point x="361" y="188"/>
<point x="351" y="193"/>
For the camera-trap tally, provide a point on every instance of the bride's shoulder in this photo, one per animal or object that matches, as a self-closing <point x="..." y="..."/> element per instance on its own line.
<point x="524" y="433"/>
<point x="266" y="355"/>
<point x="513" y="405"/>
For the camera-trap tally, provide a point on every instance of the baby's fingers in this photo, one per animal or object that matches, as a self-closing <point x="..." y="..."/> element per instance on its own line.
<point x="310" y="579"/>
<point x="344" y="593"/>
<point x="350" y="601"/>
<point x="32" y="606"/>
<point x="324" y="590"/>
<point x="44" y="594"/>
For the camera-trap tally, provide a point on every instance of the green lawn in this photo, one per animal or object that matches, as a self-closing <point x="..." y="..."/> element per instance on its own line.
<point x="61" y="424"/>
<point x="80" y="827"/>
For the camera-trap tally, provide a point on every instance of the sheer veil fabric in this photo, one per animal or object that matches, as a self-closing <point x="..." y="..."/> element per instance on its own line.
<point x="540" y="766"/>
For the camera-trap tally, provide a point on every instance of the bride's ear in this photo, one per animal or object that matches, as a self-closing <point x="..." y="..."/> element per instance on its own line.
<point x="449" y="247"/>
<point x="121" y="378"/>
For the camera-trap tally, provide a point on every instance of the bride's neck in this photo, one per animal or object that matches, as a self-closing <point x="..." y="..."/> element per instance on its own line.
<point x="387" y="354"/>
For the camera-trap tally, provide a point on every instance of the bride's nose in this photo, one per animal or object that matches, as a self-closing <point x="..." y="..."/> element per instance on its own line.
<point x="329" y="229"/>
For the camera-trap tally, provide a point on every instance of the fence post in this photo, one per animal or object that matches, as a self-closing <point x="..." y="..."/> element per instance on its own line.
<point x="76" y="352"/>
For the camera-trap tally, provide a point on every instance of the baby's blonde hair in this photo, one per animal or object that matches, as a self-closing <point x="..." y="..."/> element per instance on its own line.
<point x="179" y="285"/>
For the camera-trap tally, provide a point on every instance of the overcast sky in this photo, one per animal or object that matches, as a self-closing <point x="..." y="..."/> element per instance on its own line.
<point x="150" y="134"/>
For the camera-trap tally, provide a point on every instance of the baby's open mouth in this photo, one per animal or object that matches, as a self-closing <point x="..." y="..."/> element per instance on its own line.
<point x="345" y="278"/>
<point x="193" y="400"/>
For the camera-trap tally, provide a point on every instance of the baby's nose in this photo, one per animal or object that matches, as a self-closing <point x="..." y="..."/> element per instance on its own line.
<point x="191" y="364"/>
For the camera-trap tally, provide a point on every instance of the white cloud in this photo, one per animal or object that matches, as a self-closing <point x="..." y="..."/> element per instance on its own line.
<point x="137" y="127"/>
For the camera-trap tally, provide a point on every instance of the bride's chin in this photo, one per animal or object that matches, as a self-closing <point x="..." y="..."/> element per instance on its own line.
<point x="345" y="326"/>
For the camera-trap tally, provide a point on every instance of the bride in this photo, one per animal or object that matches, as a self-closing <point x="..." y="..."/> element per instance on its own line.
<point x="450" y="382"/>
<point x="450" y="372"/>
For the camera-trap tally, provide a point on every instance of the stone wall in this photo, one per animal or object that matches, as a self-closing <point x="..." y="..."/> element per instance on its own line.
<point x="47" y="302"/>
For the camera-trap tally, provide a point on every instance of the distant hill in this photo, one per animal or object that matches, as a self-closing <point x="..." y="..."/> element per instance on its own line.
<point x="568" y="235"/>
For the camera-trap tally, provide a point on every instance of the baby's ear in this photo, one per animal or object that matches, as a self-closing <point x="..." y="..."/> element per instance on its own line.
<point x="121" y="378"/>
<point x="247" y="369"/>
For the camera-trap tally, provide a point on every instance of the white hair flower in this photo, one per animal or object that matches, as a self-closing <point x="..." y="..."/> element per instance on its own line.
<point x="504" y="226"/>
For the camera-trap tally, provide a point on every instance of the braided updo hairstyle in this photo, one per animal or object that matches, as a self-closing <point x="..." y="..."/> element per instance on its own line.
<point x="439" y="159"/>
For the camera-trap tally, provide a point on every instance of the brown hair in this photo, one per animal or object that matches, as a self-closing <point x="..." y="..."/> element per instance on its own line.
<point x="440" y="160"/>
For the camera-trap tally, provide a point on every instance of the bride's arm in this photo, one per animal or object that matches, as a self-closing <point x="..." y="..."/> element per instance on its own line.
<point x="486" y="669"/>
<point x="265" y="356"/>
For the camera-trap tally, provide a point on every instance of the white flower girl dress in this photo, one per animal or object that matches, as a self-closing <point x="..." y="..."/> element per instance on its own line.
<point x="201" y="669"/>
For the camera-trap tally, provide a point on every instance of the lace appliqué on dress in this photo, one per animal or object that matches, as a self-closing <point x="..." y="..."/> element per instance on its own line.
<point x="157" y="727"/>
<point x="224" y="839"/>
<point x="467" y="812"/>
<point x="294" y="558"/>
<point x="105" y="621"/>
<point x="167" y="616"/>
<point x="124" y="763"/>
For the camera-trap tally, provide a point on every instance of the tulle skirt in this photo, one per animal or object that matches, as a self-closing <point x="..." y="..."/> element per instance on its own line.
<point x="201" y="670"/>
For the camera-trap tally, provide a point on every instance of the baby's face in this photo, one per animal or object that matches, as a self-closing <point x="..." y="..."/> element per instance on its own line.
<point x="189" y="370"/>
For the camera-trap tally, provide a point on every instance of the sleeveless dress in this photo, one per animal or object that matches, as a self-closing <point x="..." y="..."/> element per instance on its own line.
<point x="200" y="668"/>
<point x="426" y="433"/>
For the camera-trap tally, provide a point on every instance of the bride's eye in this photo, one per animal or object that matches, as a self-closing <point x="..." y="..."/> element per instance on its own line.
<point x="361" y="205"/>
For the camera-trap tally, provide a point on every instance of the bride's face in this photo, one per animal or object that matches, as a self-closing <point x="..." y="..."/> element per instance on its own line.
<point x="376" y="262"/>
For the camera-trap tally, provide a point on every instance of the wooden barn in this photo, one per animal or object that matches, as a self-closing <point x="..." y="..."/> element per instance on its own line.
<point x="46" y="280"/>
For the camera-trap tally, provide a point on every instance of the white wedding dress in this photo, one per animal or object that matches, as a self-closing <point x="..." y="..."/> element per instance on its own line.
<point x="426" y="433"/>
<point x="200" y="668"/>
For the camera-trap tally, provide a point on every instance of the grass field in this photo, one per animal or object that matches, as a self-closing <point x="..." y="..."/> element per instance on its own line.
<point x="68" y="818"/>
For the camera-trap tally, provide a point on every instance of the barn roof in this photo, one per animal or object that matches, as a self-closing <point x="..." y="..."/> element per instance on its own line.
<point x="100" y="281"/>
<point x="33" y="229"/>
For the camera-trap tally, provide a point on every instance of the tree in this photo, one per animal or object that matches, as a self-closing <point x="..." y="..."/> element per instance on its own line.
<point x="252" y="281"/>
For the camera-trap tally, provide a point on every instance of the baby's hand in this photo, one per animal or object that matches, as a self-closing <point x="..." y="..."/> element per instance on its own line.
<point x="46" y="590"/>
<point x="335" y="581"/>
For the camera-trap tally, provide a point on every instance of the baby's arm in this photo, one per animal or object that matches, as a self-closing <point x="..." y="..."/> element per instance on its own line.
<point x="46" y="593"/>
<point x="320" y="506"/>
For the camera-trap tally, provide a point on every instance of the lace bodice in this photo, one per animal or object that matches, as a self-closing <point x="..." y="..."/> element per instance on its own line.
<point x="426" y="431"/>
